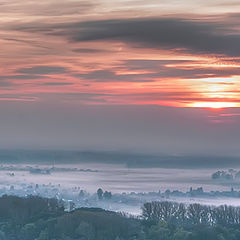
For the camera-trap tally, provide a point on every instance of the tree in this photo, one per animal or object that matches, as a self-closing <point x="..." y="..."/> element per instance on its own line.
<point x="29" y="231"/>
<point x="86" y="231"/>
<point x="194" y="213"/>
<point x="147" y="211"/>
<point x="2" y="236"/>
<point x="181" y="234"/>
<point x="160" y="232"/>
<point x="81" y="194"/>
<point x="100" y="194"/>
<point x="43" y="235"/>
<point x="107" y="195"/>
<point x="160" y="211"/>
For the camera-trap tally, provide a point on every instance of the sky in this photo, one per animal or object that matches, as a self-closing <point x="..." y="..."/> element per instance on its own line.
<point x="150" y="76"/>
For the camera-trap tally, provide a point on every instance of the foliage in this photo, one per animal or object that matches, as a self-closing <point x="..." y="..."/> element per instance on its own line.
<point x="36" y="218"/>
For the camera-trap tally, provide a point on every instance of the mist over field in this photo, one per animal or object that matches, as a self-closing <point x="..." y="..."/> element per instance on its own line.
<point x="132" y="179"/>
<point x="116" y="171"/>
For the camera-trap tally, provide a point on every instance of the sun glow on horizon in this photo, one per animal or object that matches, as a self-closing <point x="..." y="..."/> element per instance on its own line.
<point x="215" y="105"/>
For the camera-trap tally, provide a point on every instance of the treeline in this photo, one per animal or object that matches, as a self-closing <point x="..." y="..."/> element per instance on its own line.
<point x="193" y="214"/>
<point x="36" y="218"/>
<point x="176" y="221"/>
<point x="20" y="210"/>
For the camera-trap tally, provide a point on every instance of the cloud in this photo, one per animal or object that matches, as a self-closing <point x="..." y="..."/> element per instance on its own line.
<point x="161" y="33"/>
<point x="110" y="76"/>
<point x="4" y="83"/>
<point x="17" y="97"/>
<point x="42" y="70"/>
<point x="84" y="97"/>
<point x="6" y="80"/>
<point x="178" y="69"/>
<point x="193" y="36"/>
<point x="57" y="83"/>
<point x="48" y="8"/>
<point x="156" y="70"/>
<point x="90" y="50"/>
<point x="59" y="8"/>
<point x="20" y="77"/>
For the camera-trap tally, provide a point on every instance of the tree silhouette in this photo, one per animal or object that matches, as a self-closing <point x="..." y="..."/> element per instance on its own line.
<point x="100" y="194"/>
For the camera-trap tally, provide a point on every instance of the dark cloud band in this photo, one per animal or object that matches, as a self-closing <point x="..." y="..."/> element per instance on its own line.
<point x="180" y="34"/>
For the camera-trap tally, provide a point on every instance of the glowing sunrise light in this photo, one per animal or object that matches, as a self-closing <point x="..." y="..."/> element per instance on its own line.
<point x="215" y="105"/>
